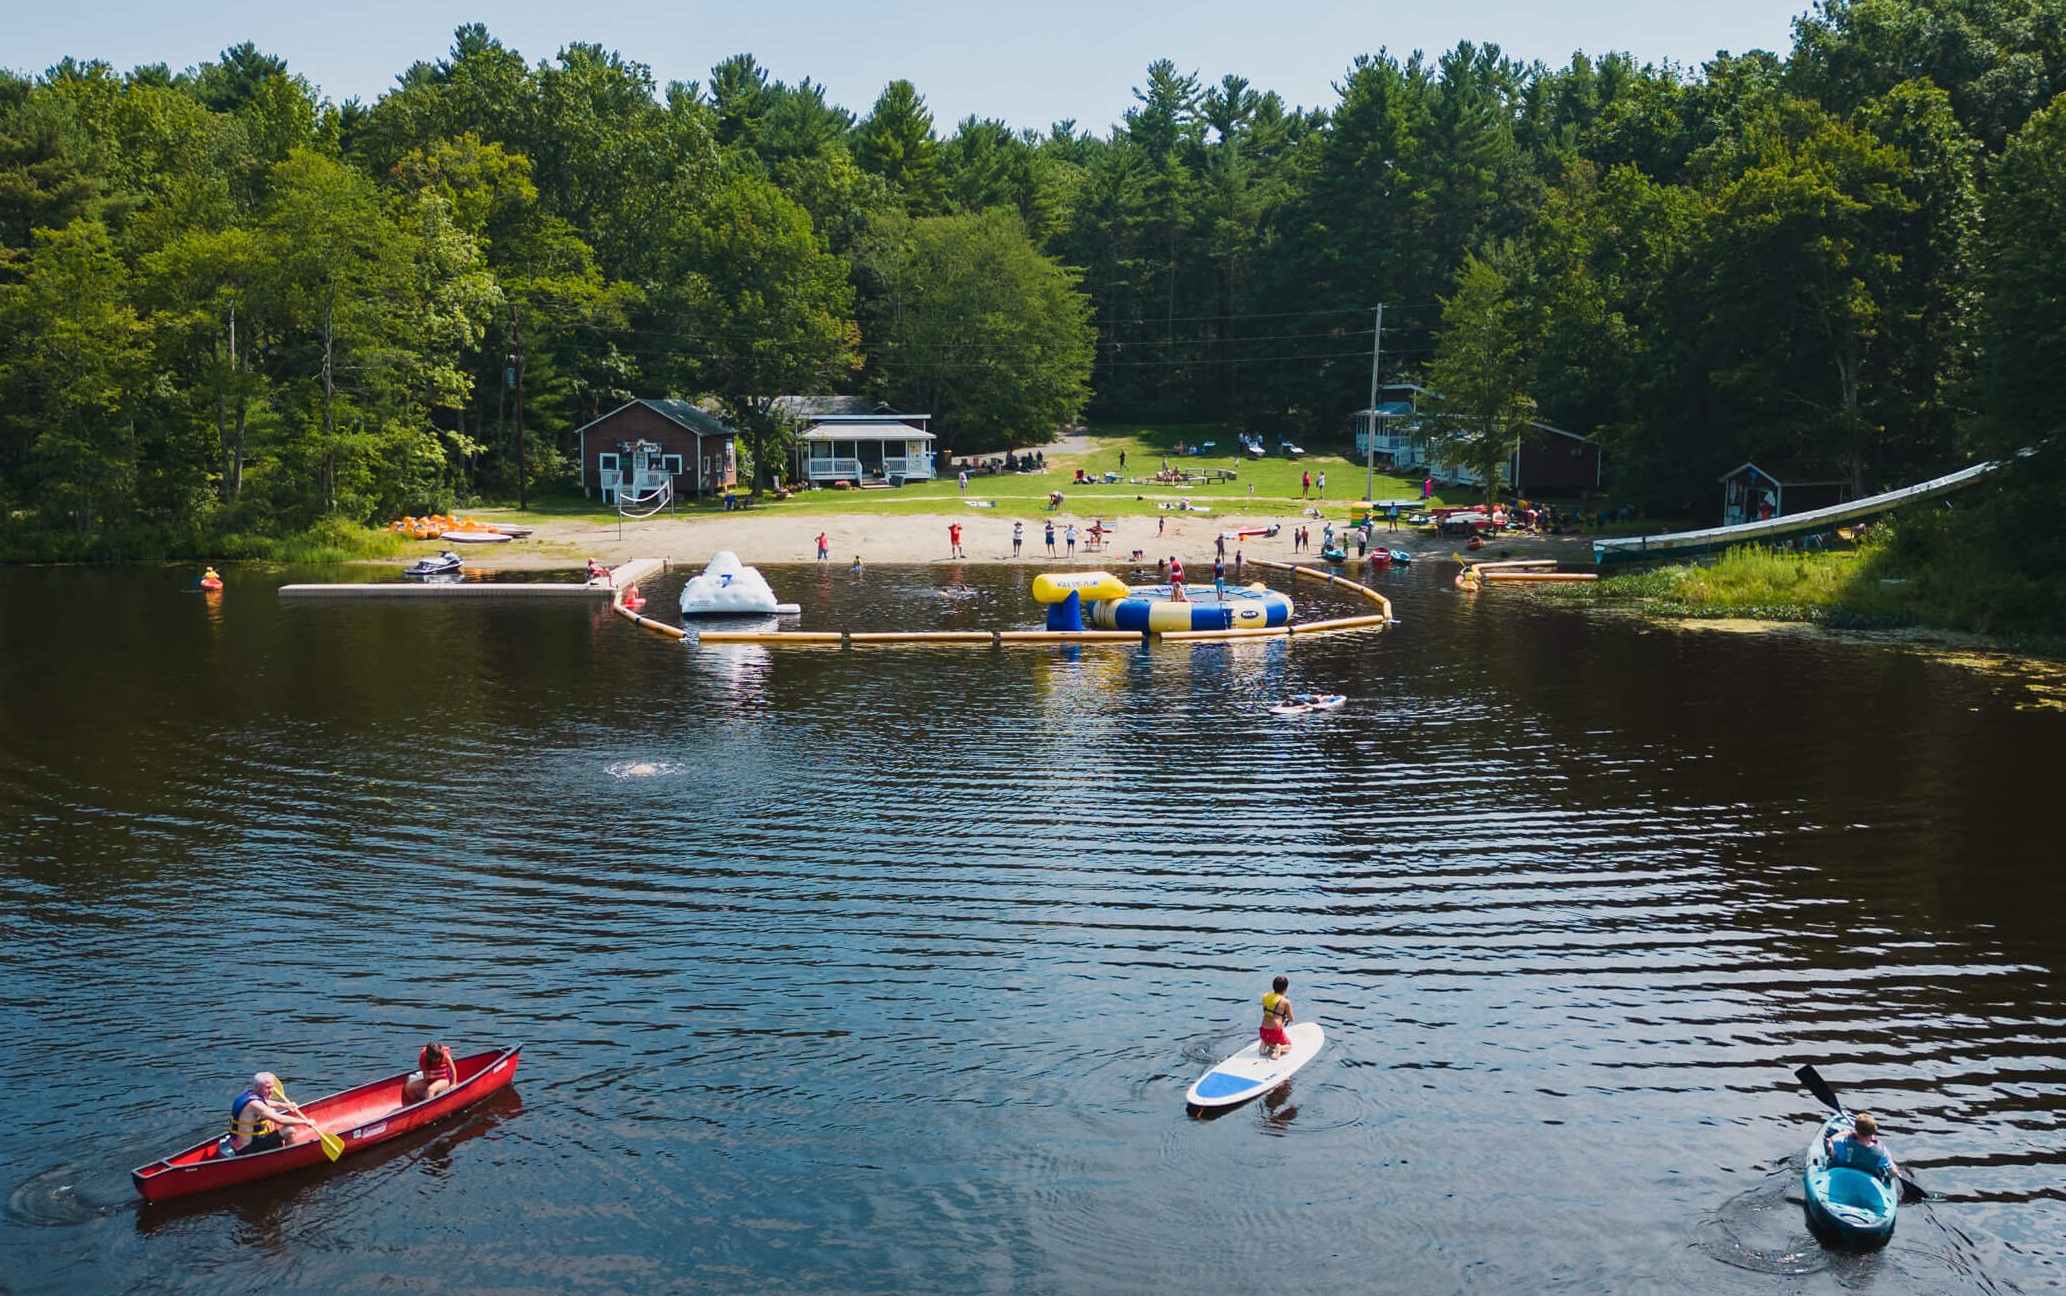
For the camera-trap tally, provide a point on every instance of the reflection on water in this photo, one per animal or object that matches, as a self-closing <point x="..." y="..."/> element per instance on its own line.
<point x="887" y="969"/>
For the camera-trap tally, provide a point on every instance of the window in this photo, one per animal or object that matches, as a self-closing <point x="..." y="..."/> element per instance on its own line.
<point x="671" y="465"/>
<point x="606" y="463"/>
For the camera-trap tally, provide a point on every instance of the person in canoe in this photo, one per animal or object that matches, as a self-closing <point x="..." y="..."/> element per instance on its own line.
<point x="1276" y="1016"/>
<point x="1861" y="1150"/>
<point x="434" y="1074"/>
<point x="261" y="1118"/>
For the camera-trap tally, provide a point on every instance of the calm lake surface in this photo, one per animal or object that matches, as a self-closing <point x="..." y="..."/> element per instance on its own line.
<point x="891" y="974"/>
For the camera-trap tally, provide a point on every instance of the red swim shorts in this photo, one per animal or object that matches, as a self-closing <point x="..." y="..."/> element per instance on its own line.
<point x="1274" y="1037"/>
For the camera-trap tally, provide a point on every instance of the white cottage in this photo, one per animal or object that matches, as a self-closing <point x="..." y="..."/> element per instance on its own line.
<point x="842" y="438"/>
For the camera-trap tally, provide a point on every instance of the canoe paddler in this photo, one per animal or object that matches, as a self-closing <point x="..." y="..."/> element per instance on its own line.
<point x="261" y="1118"/>
<point x="1860" y="1149"/>
<point x="435" y="1073"/>
<point x="1276" y="1016"/>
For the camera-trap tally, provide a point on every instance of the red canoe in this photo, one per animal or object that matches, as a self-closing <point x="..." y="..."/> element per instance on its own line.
<point x="363" y="1116"/>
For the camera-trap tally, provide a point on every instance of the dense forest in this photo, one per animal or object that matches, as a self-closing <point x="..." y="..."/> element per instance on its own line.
<point x="230" y="306"/>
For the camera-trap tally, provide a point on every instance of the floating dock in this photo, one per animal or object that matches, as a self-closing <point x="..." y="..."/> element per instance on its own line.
<point x="629" y="574"/>
<point x="999" y="638"/>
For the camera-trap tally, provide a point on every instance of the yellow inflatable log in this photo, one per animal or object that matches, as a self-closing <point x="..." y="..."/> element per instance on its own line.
<point x="1053" y="587"/>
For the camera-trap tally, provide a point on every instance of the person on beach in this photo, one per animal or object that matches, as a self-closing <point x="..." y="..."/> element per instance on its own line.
<point x="1160" y="522"/>
<point x="1050" y="537"/>
<point x="954" y="540"/>
<point x="1860" y="1149"/>
<point x="1276" y="1016"/>
<point x="1069" y="538"/>
<point x="857" y="562"/>
<point x="1392" y="518"/>
<point x="824" y="548"/>
<point x="1176" y="581"/>
<point x="435" y="1072"/>
<point x="262" y="1119"/>
<point x="1219" y="545"/>
<point x="1237" y="564"/>
<point x="1018" y="537"/>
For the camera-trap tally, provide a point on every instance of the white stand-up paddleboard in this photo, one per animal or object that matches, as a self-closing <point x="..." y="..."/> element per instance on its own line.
<point x="1249" y="1073"/>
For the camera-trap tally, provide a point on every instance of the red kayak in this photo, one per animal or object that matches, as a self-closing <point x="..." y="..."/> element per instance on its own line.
<point x="363" y="1116"/>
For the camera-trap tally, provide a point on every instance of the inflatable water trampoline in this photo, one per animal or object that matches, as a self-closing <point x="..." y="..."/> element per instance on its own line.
<point x="1150" y="607"/>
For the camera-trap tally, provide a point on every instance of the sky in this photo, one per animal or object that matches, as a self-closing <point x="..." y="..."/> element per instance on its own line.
<point x="1030" y="64"/>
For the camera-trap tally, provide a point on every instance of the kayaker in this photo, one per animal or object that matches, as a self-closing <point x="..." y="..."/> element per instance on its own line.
<point x="260" y="1117"/>
<point x="435" y="1072"/>
<point x="1276" y="1016"/>
<point x="1861" y="1150"/>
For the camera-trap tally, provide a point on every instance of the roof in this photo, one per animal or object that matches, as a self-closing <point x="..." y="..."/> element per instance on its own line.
<point x="679" y="412"/>
<point x="1793" y="474"/>
<point x="880" y="428"/>
<point x="808" y="409"/>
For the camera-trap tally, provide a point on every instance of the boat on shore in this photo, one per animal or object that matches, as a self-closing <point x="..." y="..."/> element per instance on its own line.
<point x="372" y="1113"/>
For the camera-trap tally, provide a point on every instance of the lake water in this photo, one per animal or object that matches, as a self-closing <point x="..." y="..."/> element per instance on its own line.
<point x="891" y="972"/>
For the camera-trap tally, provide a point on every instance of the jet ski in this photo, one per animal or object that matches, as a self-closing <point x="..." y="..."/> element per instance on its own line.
<point x="440" y="565"/>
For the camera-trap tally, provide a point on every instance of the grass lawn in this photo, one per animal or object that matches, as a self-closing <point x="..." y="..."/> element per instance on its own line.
<point x="1273" y="479"/>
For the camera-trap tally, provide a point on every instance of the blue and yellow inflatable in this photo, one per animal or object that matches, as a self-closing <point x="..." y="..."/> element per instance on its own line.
<point x="1150" y="608"/>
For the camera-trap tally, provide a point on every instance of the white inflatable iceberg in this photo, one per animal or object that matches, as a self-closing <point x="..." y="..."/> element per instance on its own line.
<point x="729" y="587"/>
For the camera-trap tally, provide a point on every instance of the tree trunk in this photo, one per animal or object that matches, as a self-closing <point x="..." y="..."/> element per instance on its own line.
<point x="329" y="468"/>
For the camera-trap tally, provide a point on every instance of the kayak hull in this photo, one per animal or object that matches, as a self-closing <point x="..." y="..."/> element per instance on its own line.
<point x="361" y="1117"/>
<point x="1845" y="1207"/>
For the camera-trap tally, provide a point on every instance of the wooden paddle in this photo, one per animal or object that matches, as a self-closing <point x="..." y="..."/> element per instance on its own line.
<point x="333" y="1146"/>
<point x="1911" y="1191"/>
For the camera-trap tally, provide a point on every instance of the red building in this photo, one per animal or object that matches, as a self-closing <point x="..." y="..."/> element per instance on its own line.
<point x="698" y="454"/>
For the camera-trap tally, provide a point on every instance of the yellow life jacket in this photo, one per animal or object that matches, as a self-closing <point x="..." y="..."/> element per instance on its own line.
<point x="1273" y="1008"/>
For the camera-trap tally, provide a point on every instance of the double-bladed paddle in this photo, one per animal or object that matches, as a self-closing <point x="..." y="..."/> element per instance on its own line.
<point x="1911" y="1191"/>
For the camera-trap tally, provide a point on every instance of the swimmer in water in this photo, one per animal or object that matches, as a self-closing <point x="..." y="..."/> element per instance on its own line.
<point x="857" y="562"/>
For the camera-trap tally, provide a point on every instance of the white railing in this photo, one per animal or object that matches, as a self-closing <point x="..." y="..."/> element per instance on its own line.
<point x="832" y="469"/>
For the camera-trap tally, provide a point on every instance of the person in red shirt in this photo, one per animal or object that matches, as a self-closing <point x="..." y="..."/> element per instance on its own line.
<point x="954" y="541"/>
<point x="824" y="551"/>
<point x="435" y="1072"/>
<point x="1176" y="581"/>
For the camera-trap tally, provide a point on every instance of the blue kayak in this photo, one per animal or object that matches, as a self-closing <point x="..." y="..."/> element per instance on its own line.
<point x="1847" y="1207"/>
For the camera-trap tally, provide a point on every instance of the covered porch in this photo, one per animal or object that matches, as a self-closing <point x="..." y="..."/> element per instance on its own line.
<point x="889" y="452"/>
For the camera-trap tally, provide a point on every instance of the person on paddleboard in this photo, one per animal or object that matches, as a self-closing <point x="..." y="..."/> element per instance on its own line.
<point x="261" y="1117"/>
<point x="1861" y="1150"/>
<point x="435" y="1072"/>
<point x="1276" y="1016"/>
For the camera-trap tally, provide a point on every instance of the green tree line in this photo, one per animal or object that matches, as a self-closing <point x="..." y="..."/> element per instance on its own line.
<point x="230" y="305"/>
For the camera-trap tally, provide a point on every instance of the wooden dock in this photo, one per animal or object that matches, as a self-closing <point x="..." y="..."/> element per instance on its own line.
<point x="630" y="573"/>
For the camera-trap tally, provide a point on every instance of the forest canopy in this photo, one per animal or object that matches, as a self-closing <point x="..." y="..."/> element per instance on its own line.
<point x="229" y="305"/>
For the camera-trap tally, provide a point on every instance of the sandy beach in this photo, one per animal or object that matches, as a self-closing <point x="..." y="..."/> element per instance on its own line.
<point x="770" y="536"/>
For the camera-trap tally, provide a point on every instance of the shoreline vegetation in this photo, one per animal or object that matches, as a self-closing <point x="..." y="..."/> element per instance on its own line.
<point x="239" y="319"/>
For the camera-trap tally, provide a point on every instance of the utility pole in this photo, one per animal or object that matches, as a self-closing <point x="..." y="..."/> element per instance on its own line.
<point x="1377" y="339"/>
<point x="516" y="363"/>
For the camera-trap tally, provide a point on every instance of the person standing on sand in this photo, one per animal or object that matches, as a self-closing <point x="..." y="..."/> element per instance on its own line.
<point x="1018" y="537"/>
<point x="824" y="552"/>
<point x="1069" y="538"/>
<point x="1219" y="545"/>
<point x="1050" y="537"/>
<point x="954" y="540"/>
<point x="1160" y="523"/>
<point x="1237" y="564"/>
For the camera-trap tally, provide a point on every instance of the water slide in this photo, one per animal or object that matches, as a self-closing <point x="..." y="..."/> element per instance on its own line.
<point x="1709" y="540"/>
